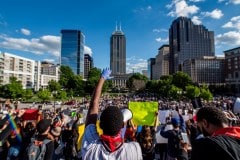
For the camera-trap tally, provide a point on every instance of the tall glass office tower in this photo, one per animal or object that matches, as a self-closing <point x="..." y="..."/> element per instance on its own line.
<point x="72" y="46"/>
<point x="186" y="41"/>
<point x="118" y="52"/>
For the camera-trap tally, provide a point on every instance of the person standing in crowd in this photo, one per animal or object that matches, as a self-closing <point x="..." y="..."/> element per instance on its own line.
<point x="130" y="132"/>
<point x="220" y="141"/>
<point x="175" y="147"/>
<point x="147" y="139"/>
<point x="8" y="132"/>
<point x="110" y="144"/>
<point x="58" y="146"/>
<point x="43" y="128"/>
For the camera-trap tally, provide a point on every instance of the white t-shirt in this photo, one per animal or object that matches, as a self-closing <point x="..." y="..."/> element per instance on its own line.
<point x="93" y="149"/>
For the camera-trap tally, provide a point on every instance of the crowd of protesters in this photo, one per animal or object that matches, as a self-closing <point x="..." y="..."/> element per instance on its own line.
<point x="210" y="132"/>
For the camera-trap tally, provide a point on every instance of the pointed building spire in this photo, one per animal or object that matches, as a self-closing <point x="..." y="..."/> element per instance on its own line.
<point x="120" y="29"/>
<point x="116" y="27"/>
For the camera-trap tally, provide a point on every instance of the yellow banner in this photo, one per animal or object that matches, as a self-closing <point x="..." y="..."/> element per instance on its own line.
<point x="143" y="112"/>
<point x="81" y="129"/>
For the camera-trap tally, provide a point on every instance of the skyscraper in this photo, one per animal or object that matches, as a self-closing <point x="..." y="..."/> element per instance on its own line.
<point x="88" y="64"/>
<point x="186" y="41"/>
<point x="72" y="46"/>
<point x="118" y="52"/>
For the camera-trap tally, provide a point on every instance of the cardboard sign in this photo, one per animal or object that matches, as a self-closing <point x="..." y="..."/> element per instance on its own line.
<point x="30" y="114"/>
<point x="143" y="112"/>
<point x="162" y="115"/>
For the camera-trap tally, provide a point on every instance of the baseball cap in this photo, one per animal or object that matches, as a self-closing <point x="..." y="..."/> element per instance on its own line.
<point x="175" y="121"/>
<point x="43" y="125"/>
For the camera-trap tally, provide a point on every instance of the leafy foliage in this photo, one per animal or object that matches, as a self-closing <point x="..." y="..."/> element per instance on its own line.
<point x="192" y="91"/>
<point x="181" y="80"/>
<point x="53" y="86"/>
<point x="27" y="93"/>
<point x="13" y="90"/>
<point x="44" y="95"/>
<point x="136" y="81"/>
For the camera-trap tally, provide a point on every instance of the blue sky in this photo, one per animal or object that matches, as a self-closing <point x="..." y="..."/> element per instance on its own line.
<point x="32" y="28"/>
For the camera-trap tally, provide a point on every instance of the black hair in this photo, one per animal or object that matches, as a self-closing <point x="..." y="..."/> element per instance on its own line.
<point x="111" y="121"/>
<point x="212" y="115"/>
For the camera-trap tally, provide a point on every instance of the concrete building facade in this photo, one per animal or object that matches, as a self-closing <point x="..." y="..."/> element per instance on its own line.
<point x="188" y="41"/>
<point x="207" y="70"/>
<point x="232" y="68"/>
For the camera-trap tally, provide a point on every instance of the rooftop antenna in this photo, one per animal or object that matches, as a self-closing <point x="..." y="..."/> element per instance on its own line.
<point x="120" y="27"/>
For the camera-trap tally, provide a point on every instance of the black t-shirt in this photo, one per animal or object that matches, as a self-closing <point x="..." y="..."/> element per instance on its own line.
<point x="220" y="147"/>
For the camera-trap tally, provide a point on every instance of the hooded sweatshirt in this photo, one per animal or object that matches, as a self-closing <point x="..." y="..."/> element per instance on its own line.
<point x="224" y="144"/>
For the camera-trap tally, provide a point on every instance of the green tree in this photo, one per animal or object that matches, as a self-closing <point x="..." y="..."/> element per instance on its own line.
<point x="192" y="91"/>
<point x="175" y="92"/>
<point x="27" y="94"/>
<point x="93" y="77"/>
<point x="164" y="86"/>
<point x="152" y="86"/>
<point x="44" y="95"/>
<point x="53" y="86"/>
<point x="136" y="81"/>
<point x="77" y="85"/>
<point x="66" y="73"/>
<point x="14" y="89"/>
<point x="61" y="95"/>
<point x="206" y="94"/>
<point x="181" y="80"/>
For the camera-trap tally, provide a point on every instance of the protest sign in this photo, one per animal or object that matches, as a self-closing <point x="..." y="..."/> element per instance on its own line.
<point x="30" y="114"/>
<point x="143" y="112"/>
<point x="162" y="115"/>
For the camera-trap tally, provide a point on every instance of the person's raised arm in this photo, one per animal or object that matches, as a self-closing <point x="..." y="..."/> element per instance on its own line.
<point x="156" y="120"/>
<point x="94" y="104"/>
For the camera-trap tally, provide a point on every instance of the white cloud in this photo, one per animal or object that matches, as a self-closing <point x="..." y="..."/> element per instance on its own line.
<point x="160" y="30"/>
<point x="45" y="44"/>
<point x="135" y="64"/>
<point x="149" y="7"/>
<point x="87" y="50"/>
<point x="216" y="14"/>
<point x="235" y="1"/>
<point x="237" y="18"/>
<point x="49" y="60"/>
<point x="162" y="40"/>
<point x="230" y="1"/>
<point x="231" y="38"/>
<point x="26" y="32"/>
<point x="196" y="0"/>
<point x="196" y="20"/>
<point x="233" y="23"/>
<point x="142" y="9"/>
<point x="181" y="8"/>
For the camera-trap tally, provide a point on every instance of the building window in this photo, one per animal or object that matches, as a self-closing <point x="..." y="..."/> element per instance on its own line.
<point x="236" y="74"/>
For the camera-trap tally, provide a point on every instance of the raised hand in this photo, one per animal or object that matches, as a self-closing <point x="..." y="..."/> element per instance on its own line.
<point x="106" y="74"/>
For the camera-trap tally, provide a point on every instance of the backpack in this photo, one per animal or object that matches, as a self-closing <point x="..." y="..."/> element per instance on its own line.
<point x="37" y="149"/>
<point x="177" y="142"/>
